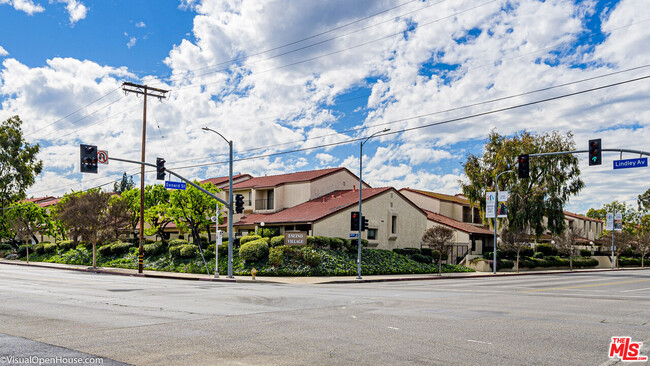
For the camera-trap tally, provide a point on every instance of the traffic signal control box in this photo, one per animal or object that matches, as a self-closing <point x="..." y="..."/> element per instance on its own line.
<point x="364" y="223"/>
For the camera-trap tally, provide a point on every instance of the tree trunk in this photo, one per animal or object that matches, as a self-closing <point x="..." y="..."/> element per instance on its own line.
<point x="642" y="257"/>
<point x="94" y="256"/>
<point x="571" y="261"/>
<point x="440" y="264"/>
<point x="517" y="262"/>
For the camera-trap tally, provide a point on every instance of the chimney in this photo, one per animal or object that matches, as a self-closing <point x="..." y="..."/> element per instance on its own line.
<point x="354" y="188"/>
<point x="323" y="199"/>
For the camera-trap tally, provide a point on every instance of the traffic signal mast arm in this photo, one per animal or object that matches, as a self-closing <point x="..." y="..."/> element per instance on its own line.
<point x="587" y="151"/>
<point x="176" y="175"/>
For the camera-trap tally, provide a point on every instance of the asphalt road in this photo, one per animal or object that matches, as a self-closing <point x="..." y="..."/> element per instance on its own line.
<point x="562" y="319"/>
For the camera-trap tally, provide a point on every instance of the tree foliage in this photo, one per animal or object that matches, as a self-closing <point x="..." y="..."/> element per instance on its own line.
<point x="158" y="213"/>
<point x="553" y="179"/>
<point x="26" y="219"/>
<point x="566" y="241"/>
<point x="124" y="185"/>
<point x="515" y="239"/>
<point x="191" y="209"/>
<point x="439" y="238"/>
<point x="18" y="166"/>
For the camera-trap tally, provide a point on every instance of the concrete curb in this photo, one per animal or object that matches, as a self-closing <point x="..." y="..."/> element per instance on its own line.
<point x="175" y="276"/>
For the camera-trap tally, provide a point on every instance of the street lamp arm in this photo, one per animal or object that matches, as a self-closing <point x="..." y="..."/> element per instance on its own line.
<point x="368" y="138"/>
<point x="209" y="129"/>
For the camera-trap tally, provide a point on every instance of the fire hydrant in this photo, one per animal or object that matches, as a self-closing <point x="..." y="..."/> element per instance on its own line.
<point x="253" y="272"/>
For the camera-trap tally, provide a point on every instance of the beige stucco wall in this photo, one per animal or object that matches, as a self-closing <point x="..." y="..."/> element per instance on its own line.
<point x="292" y="194"/>
<point x="460" y="237"/>
<point x="341" y="180"/>
<point x="425" y="203"/>
<point x="411" y="222"/>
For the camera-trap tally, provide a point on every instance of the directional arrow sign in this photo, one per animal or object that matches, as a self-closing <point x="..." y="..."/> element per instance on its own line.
<point x="630" y="163"/>
<point x="175" y="185"/>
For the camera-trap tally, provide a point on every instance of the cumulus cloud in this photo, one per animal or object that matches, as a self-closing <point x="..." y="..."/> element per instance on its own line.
<point x="76" y="10"/>
<point x="28" y="6"/>
<point x="3" y="52"/>
<point x="140" y="25"/>
<point x="421" y="64"/>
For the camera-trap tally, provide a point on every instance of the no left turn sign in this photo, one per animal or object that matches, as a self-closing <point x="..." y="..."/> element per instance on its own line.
<point x="102" y="157"/>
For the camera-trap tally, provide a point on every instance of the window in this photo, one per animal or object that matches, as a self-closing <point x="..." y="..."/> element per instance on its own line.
<point x="393" y="224"/>
<point x="372" y="234"/>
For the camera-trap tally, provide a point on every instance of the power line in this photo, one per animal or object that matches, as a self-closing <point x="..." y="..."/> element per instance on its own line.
<point x="438" y="112"/>
<point x="499" y="110"/>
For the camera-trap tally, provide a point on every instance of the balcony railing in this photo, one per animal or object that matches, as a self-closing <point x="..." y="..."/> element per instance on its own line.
<point x="264" y="204"/>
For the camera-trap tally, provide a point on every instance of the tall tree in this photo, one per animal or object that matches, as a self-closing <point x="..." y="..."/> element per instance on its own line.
<point x="26" y="219"/>
<point x="158" y="210"/>
<point x="84" y="214"/>
<point x="566" y="242"/>
<point x="515" y="239"/>
<point x="553" y="179"/>
<point x="124" y="185"/>
<point x="18" y="167"/>
<point x="117" y="217"/>
<point x="642" y="238"/>
<point x="191" y="209"/>
<point x="439" y="238"/>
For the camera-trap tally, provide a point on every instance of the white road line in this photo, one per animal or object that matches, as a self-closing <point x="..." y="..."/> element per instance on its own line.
<point x="393" y="328"/>
<point x="636" y="289"/>
<point x="481" y="342"/>
<point x="353" y="317"/>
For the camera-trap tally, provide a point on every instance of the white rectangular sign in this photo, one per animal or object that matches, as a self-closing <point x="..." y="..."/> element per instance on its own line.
<point x="609" y="225"/>
<point x="618" y="221"/>
<point x="490" y="204"/>
<point x="502" y="207"/>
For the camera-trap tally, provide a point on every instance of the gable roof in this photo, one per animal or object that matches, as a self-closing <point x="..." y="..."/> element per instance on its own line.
<point x="276" y="180"/>
<point x="441" y="196"/>
<point x="222" y="180"/>
<point x="581" y="217"/>
<point x="43" y="201"/>
<point x="315" y="209"/>
<point x="462" y="226"/>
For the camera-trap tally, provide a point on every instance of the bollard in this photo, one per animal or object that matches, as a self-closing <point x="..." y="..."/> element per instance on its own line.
<point x="253" y="272"/>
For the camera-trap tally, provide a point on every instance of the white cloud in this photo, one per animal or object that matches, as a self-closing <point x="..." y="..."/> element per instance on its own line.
<point x="3" y="52"/>
<point x="76" y="10"/>
<point x="140" y="25"/>
<point x="27" y="6"/>
<point x="131" y="42"/>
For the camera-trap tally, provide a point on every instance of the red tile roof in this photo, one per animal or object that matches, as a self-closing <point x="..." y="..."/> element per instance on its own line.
<point x="462" y="226"/>
<point x="581" y="217"/>
<point x="276" y="180"/>
<point x="316" y="209"/>
<point x="441" y="196"/>
<point x="43" y="201"/>
<point x="221" y="180"/>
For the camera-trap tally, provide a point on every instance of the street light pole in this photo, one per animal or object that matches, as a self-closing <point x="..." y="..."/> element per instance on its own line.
<point x="230" y="203"/>
<point x="360" y="189"/>
<point x="496" y="209"/>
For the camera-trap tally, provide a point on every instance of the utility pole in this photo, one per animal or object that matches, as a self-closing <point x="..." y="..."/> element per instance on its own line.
<point x="156" y="93"/>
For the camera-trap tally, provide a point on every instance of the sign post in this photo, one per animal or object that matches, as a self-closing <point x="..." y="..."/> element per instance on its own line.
<point x="216" y="251"/>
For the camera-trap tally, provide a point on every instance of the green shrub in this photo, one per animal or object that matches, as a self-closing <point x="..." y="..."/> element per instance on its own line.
<point x="181" y="237"/>
<point x="22" y="251"/>
<point x="105" y="250"/>
<point x="37" y="249"/>
<point x="310" y="256"/>
<point x="321" y="242"/>
<point x="337" y="243"/>
<point x="245" y="239"/>
<point x="254" y="251"/>
<point x="538" y="255"/>
<point x="584" y="262"/>
<point x="65" y="244"/>
<point x="351" y="245"/>
<point x="188" y="250"/>
<point x="154" y="248"/>
<point x="311" y="241"/>
<point x="585" y="253"/>
<point x="49" y="248"/>
<point x="176" y="242"/>
<point x="427" y="251"/>
<point x="269" y="232"/>
<point x="175" y="251"/>
<point x="412" y="251"/>
<point x="422" y="258"/>
<point x="626" y="261"/>
<point x="276" y="241"/>
<point x="435" y="254"/>
<point x="526" y="251"/>
<point x="546" y="249"/>
<point x="119" y="248"/>
<point x="276" y="256"/>
<point x="505" y="264"/>
<point x="5" y="247"/>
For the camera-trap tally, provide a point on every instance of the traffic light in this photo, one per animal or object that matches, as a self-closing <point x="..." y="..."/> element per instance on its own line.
<point x="524" y="166"/>
<point x="160" y="168"/>
<point x="364" y="223"/>
<point x="239" y="203"/>
<point x="595" y="152"/>
<point x="88" y="159"/>
<point x="354" y="221"/>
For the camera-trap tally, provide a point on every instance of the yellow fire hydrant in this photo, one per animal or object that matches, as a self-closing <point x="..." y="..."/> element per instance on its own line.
<point x="253" y="272"/>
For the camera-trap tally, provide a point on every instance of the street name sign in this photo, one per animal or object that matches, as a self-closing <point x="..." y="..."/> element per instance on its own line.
<point x="175" y="185"/>
<point x="630" y="163"/>
<point x="354" y="235"/>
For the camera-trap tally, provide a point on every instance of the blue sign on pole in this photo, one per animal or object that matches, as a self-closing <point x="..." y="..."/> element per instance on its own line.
<point x="175" y="185"/>
<point x="354" y="235"/>
<point x="630" y="163"/>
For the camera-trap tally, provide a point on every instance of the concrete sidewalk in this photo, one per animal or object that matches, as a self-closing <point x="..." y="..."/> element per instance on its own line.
<point x="291" y="280"/>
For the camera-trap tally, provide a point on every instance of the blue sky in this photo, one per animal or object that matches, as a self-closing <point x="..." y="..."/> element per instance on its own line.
<point x="278" y="75"/>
